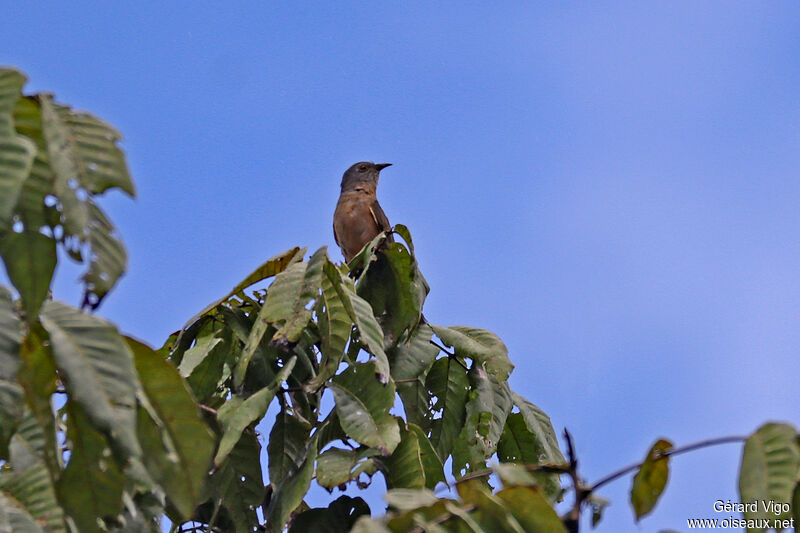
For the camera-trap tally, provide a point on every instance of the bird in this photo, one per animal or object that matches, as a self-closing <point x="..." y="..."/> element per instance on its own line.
<point x="359" y="217"/>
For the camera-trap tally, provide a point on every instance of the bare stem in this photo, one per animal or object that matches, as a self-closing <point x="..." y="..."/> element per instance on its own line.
<point x="677" y="451"/>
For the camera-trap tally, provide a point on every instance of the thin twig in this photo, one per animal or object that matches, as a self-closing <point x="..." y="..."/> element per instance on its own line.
<point x="207" y="409"/>
<point x="442" y="348"/>
<point x="572" y="519"/>
<point x="677" y="451"/>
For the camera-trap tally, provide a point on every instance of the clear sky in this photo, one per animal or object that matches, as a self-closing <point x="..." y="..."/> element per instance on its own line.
<point x="614" y="189"/>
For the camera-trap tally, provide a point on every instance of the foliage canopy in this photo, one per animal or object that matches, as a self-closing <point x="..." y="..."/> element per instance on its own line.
<point x="101" y="432"/>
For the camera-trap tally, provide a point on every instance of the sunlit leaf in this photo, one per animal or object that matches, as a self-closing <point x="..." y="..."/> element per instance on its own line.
<point x="650" y="480"/>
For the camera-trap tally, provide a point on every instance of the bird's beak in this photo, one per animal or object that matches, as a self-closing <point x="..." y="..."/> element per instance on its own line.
<point x="381" y="166"/>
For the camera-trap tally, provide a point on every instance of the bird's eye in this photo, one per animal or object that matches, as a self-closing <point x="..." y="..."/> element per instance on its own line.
<point x="362" y="168"/>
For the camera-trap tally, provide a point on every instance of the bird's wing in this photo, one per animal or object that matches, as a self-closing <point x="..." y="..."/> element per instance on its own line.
<point x="381" y="220"/>
<point x="336" y="237"/>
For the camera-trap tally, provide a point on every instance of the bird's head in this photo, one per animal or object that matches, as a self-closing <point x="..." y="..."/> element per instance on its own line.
<point x="363" y="173"/>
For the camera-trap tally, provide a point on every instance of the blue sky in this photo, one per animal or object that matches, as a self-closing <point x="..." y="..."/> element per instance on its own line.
<point x="612" y="189"/>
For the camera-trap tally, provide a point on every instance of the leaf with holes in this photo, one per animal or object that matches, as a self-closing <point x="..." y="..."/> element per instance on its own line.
<point x="448" y="386"/>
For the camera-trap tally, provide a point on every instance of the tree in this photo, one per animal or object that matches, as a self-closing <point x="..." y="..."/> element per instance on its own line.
<point x="101" y="432"/>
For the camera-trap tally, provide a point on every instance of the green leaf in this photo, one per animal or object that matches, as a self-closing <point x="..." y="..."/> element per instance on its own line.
<point x="529" y="438"/>
<point x="415" y="356"/>
<point x="237" y="483"/>
<point x="287" y="440"/>
<point x="108" y="259"/>
<point x="650" y="480"/>
<point x="250" y="411"/>
<point x="99" y="161"/>
<point x="271" y="267"/>
<point x="185" y="444"/>
<point x="371" y="333"/>
<point x="338" y="517"/>
<point x="31" y="209"/>
<point x="769" y="471"/>
<point x="10" y="391"/>
<point x="15" y="519"/>
<point x="448" y="386"/>
<point x="490" y="512"/>
<point x="336" y="466"/>
<point x="411" y="360"/>
<point x="414" y="463"/>
<point x="33" y="491"/>
<point x="296" y="298"/>
<point x="30" y="260"/>
<point x="479" y="344"/>
<point x="487" y="410"/>
<point x="334" y="323"/>
<point x="16" y="151"/>
<point x="362" y="404"/>
<point x="395" y="289"/>
<point x="531" y="509"/>
<point x="28" y="444"/>
<point x="91" y="485"/>
<point x="98" y="372"/>
<point x="291" y="489"/>
<point x="203" y="365"/>
<point x="37" y="376"/>
<point x="62" y="153"/>
<point x="538" y="423"/>
<point x="518" y="445"/>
